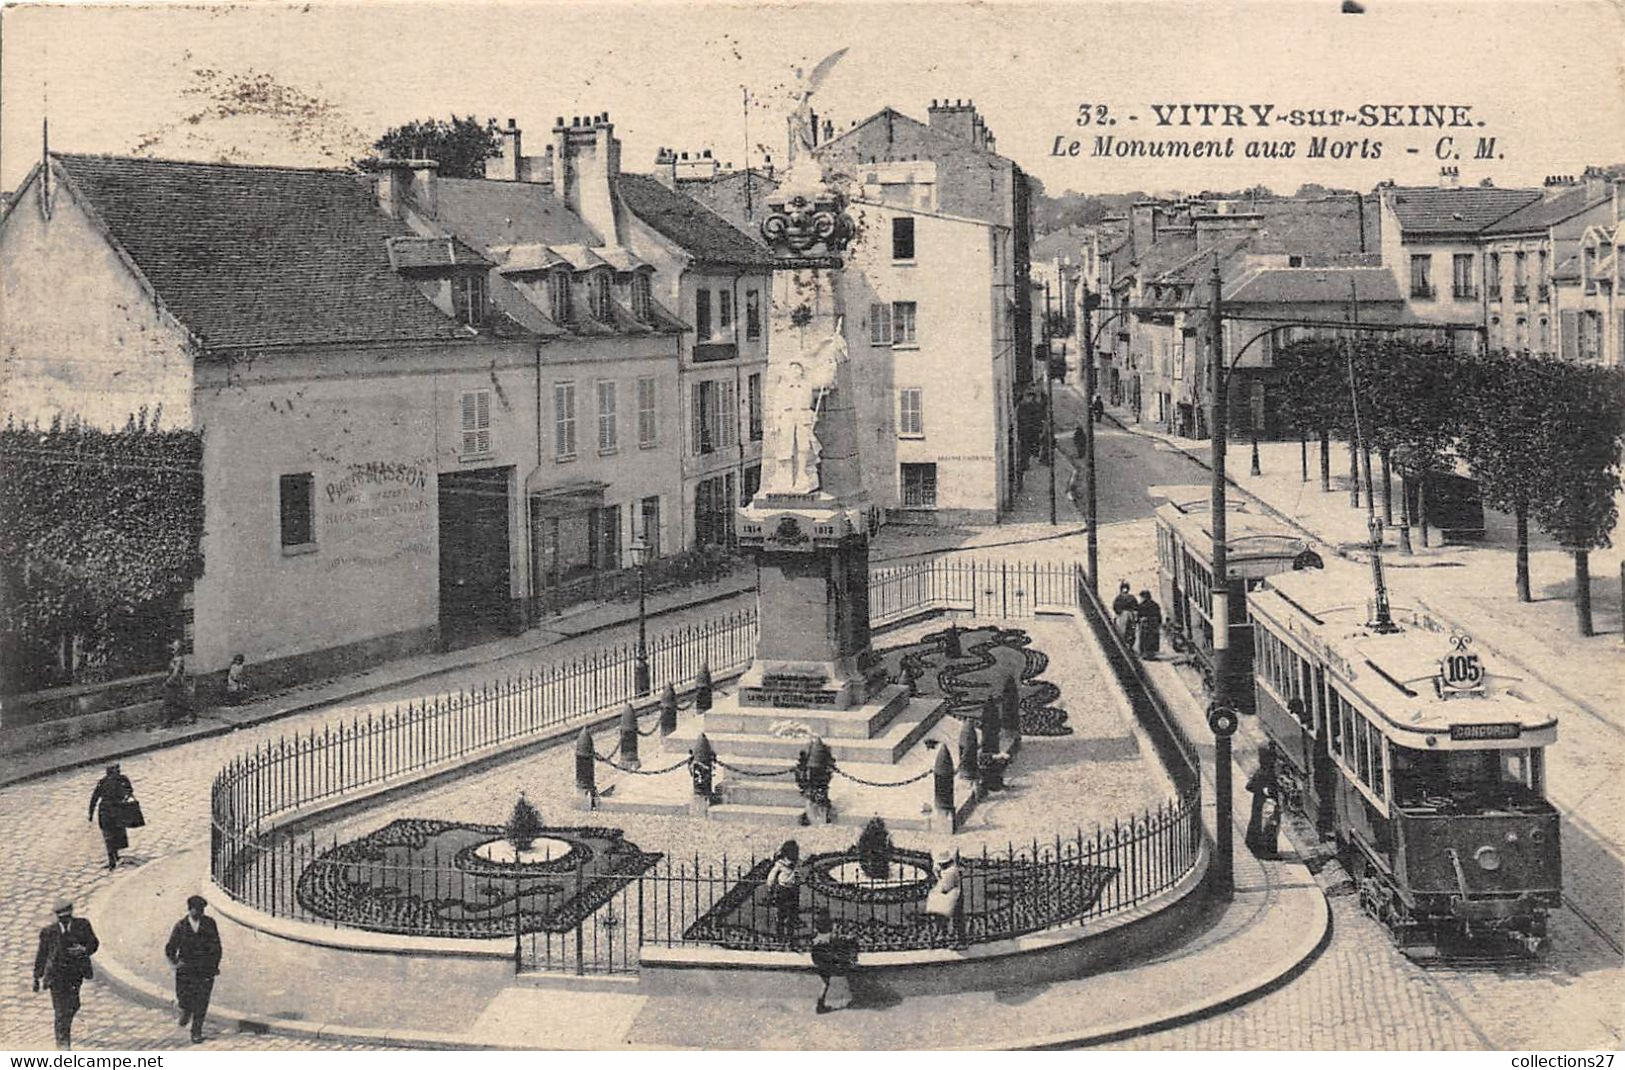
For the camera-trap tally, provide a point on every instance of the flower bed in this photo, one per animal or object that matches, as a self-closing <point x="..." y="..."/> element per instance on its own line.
<point x="432" y="878"/>
<point x="988" y="656"/>
<point x="1001" y="899"/>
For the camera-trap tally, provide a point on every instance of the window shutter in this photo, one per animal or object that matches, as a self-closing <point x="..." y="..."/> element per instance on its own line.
<point x="482" y="421"/>
<point x="880" y="325"/>
<point x="1568" y="328"/>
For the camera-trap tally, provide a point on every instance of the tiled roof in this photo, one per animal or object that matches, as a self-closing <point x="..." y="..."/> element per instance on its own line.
<point x="1315" y="286"/>
<point x="1543" y="213"/>
<point x="489" y="213"/>
<point x="1198" y="265"/>
<point x="418" y="253"/>
<point x="252" y="256"/>
<point x="690" y="225"/>
<point x="1423" y="210"/>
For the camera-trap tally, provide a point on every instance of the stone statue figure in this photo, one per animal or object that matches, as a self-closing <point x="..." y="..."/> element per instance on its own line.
<point x="797" y="391"/>
<point x="802" y="136"/>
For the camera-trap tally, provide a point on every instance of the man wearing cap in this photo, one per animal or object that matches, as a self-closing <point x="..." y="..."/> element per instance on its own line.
<point x="62" y="964"/>
<point x="194" y="951"/>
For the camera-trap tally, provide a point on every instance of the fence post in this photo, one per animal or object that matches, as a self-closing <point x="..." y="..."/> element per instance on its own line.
<point x="668" y="710"/>
<point x="702" y="689"/>
<point x="942" y="782"/>
<point x="629" y="737"/>
<point x="586" y="774"/>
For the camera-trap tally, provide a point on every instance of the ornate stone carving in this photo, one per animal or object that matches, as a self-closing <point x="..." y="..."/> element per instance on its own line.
<point x="807" y="222"/>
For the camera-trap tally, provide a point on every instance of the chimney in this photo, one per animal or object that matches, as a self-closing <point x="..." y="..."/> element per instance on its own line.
<point x="404" y="182"/>
<point x="1556" y="185"/>
<point x="958" y="120"/>
<point x="506" y="166"/>
<point x="1143" y="226"/>
<point x="1449" y="177"/>
<point x="666" y="167"/>
<point x="767" y="165"/>
<point x="699" y="165"/>
<point x="1598" y="184"/>
<point x="586" y="163"/>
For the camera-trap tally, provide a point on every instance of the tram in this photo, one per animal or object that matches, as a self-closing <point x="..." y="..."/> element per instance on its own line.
<point x="1259" y="546"/>
<point x="1425" y="765"/>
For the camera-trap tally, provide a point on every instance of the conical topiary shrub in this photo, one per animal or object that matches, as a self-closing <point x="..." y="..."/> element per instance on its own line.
<point x="524" y="825"/>
<point x="874" y="850"/>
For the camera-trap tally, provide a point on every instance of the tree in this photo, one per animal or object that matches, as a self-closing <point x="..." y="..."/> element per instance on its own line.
<point x="1504" y="435"/>
<point x="1409" y="413"/>
<point x="524" y="826"/>
<point x="100" y="536"/>
<point x="1315" y="392"/>
<point x="875" y="850"/>
<point x="460" y="146"/>
<point x="1575" y="499"/>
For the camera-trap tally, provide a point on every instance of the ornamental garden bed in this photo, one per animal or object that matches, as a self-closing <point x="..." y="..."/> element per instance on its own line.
<point x="1000" y="899"/>
<point x="987" y="656"/>
<point x="443" y="878"/>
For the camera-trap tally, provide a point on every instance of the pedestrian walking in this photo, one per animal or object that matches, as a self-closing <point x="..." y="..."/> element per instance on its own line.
<point x="1149" y="623"/>
<point x="1264" y="823"/>
<point x="62" y="964"/>
<point x="784" y="888"/>
<point x="194" y="952"/>
<point x="1124" y="611"/>
<point x="945" y="903"/>
<point x="833" y="956"/>
<point x="1078" y="442"/>
<point x="177" y="690"/>
<point x="114" y="809"/>
<point x="1097" y="408"/>
<point x="236" y="686"/>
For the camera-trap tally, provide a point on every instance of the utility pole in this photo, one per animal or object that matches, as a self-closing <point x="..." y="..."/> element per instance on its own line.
<point x="1222" y="717"/>
<point x="1049" y="409"/>
<point x="1088" y="458"/>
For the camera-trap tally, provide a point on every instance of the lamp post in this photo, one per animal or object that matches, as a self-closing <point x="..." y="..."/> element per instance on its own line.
<point x="1221" y="718"/>
<point x="640" y="667"/>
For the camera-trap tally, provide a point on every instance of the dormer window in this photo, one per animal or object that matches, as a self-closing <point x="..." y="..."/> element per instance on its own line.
<point x="598" y="289"/>
<point x="558" y="297"/>
<point x="642" y="300"/>
<point x="468" y="297"/>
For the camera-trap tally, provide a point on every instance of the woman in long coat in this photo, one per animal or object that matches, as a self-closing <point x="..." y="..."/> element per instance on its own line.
<point x="1124" y="608"/>
<point x="1150" y="624"/>
<point x="1263" y="832"/>
<point x="112" y="792"/>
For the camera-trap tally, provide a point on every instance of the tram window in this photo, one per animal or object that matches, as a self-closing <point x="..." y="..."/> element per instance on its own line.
<point x="1334" y="721"/>
<point x="1515" y="767"/>
<point x="1376" y="761"/>
<point x="1362" y="750"/>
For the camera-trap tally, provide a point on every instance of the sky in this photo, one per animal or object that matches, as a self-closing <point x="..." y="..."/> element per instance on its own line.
<point x="1545" y="79"/>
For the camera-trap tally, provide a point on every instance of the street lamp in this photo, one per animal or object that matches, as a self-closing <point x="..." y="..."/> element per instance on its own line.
<point x="640" y="667"/>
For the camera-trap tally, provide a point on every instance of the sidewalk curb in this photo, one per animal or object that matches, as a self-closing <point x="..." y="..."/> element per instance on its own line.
<point x="221" y="728"/>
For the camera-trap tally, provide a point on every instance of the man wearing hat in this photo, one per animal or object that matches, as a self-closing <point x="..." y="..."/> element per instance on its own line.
<point x="62" y="964"/>
<point x="194" y="951"/>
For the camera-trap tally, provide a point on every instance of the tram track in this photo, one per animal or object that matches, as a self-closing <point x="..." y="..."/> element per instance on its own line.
<point x="1591" y="923"/>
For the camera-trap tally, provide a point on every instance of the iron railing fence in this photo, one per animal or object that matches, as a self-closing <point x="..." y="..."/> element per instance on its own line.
<point x="261" y="864"/>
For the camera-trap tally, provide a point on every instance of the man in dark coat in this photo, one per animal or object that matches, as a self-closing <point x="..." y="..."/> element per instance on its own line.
<point x="1124" y="608"/>
<point x="1150" y="623"/>
<point x="113" y="792"/>
<point x="194" y="950"/>
<point x="62" y="964"/>
<point x="833" y="955"/>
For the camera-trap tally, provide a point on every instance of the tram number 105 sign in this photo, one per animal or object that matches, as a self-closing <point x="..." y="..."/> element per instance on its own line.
<point x="1460" y="671"/>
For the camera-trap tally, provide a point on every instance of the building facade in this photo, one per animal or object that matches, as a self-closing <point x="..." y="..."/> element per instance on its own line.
<point x="405" y="442"/>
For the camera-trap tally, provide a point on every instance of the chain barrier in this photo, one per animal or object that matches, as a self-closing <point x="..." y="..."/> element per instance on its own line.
<point x="642" y="772"/>
<point x="878" y="784"/>
<point x="747" y="772"/>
